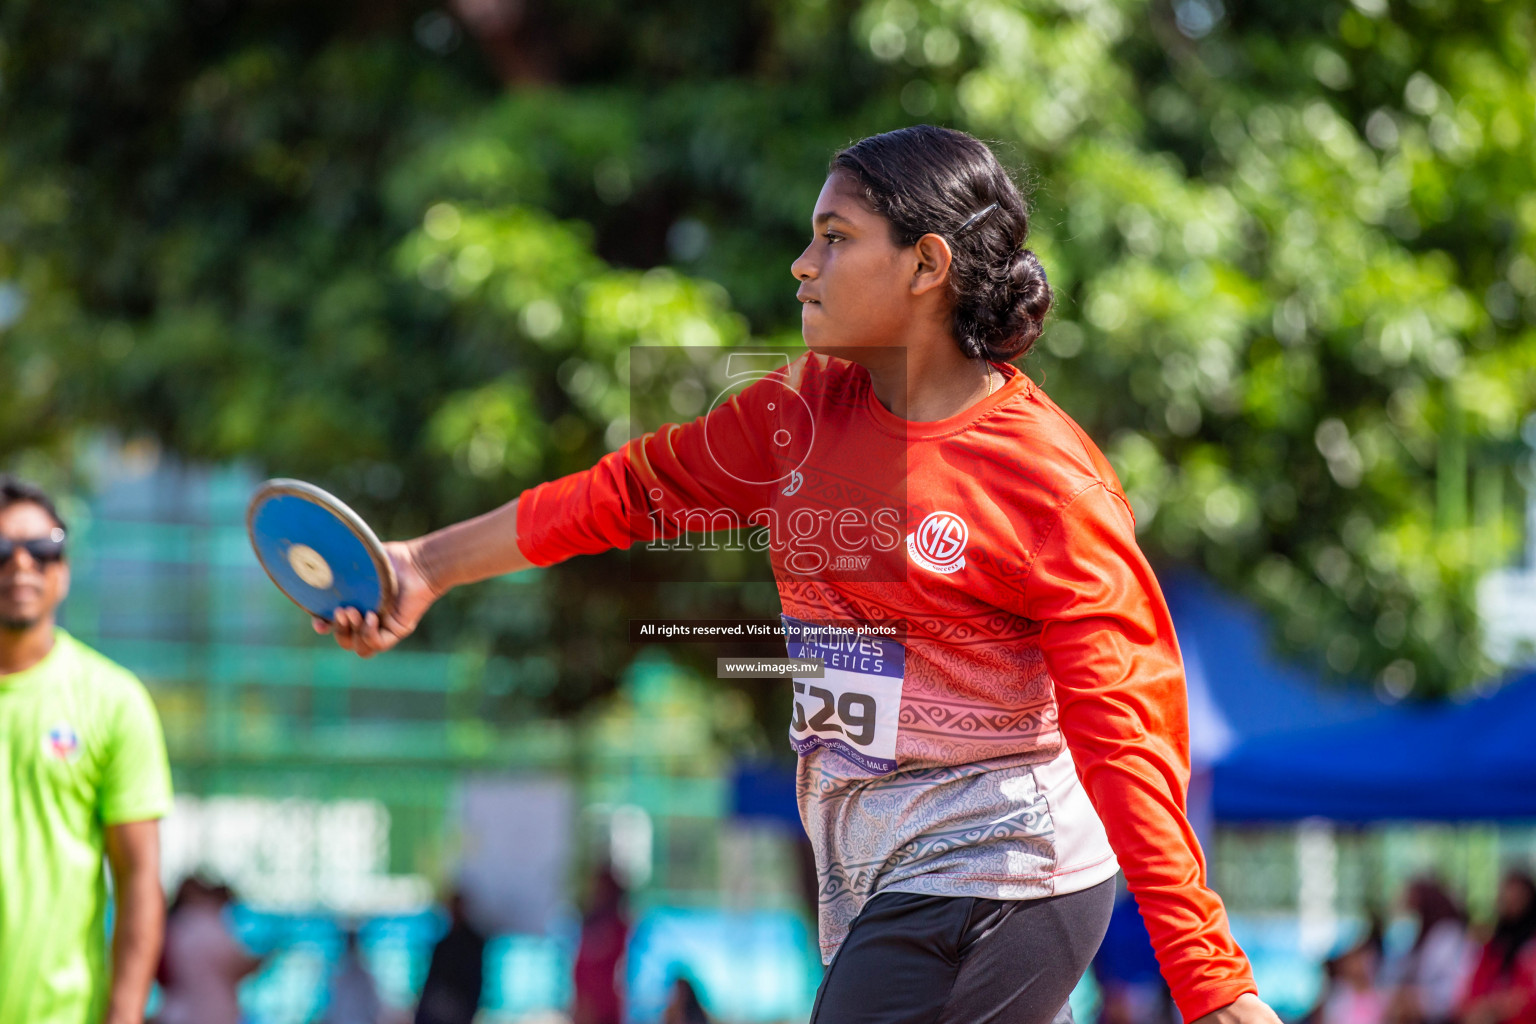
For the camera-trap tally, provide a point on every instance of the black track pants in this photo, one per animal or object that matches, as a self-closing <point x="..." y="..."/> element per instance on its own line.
<point x="912" y="959"/>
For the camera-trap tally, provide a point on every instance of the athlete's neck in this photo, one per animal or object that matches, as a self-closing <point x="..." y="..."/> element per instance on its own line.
<point x="25" y="646"/>
<point x="930" y="382"/>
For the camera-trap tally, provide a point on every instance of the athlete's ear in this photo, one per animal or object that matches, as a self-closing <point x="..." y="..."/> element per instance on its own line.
<point x="931" y="268"/>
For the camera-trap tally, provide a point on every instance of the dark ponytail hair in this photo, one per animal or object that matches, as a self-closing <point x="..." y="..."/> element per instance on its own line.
<point x="925" y="180"/>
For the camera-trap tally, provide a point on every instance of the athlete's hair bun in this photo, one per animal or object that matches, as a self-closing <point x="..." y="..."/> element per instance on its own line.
<point x="925" y="179"/>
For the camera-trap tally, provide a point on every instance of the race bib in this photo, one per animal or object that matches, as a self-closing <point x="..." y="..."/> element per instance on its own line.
<point x="855" y="707"/>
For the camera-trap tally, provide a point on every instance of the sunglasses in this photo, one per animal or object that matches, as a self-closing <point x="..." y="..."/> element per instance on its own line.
<point x="44" y="550"/>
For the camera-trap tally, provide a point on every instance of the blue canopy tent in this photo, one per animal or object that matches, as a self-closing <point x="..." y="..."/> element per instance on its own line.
<point x="1239" y="688"/>
<point x="1274" y="743"/>
<point x="1449" y="762"/>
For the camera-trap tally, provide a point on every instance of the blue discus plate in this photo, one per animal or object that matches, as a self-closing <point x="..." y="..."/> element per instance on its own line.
<point x="318" y="551"/>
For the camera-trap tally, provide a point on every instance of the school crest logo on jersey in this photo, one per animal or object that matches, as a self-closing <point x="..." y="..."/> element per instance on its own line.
<point x="938" y="544"/>
<point x="62" y="742"/>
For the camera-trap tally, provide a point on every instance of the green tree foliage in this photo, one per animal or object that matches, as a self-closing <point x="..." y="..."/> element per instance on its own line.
<point x="1294" y="251"/>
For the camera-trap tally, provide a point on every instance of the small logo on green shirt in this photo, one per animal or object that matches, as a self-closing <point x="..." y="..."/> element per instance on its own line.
<point x="62" y="742"/>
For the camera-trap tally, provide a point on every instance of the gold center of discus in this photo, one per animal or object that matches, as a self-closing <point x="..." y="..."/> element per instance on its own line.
<point x="310" y="567"/>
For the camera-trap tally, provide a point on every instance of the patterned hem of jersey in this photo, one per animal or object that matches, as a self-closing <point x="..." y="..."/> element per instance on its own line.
<point x="1058" y="883"/>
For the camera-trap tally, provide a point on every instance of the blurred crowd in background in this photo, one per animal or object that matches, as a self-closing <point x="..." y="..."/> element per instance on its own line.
<point x="1452" y="972"/>
<point x="1441" y="969"/>
<point x="204" y="963"/>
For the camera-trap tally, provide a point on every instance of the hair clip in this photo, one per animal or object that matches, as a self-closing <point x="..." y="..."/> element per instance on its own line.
<point x="976" y="219"/>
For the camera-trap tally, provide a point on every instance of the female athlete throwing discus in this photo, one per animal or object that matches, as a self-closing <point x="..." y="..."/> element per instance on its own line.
<point x="971" y="790"/>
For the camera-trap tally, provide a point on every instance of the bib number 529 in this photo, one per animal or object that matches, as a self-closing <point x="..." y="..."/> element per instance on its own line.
<point x="820" y="710"/>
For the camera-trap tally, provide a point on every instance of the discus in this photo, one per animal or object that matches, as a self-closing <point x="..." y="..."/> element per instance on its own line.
<point x="318" y="551"/>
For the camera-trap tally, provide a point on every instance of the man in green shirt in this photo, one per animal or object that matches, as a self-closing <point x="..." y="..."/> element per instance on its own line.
<point x="83" y="773"/>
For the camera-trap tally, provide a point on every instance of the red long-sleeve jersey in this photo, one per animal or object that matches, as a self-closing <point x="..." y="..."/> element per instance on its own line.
<point x="1027" y="727"/>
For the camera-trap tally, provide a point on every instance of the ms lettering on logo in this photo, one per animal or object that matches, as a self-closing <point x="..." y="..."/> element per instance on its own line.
<point x="938" y="543"/>
<point x="62" y="742"/>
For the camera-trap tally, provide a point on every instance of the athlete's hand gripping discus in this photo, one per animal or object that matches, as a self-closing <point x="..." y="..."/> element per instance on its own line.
<point x="318" y="551"/>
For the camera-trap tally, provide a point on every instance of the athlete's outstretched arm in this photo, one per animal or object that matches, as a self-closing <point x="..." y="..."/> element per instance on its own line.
<point x="1109" y="645"/>
<point x="426" y="569"/>
<point x="627" y="496"/>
